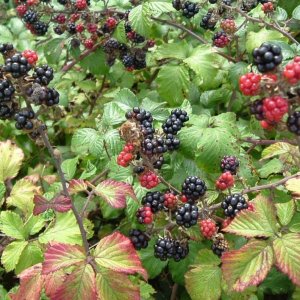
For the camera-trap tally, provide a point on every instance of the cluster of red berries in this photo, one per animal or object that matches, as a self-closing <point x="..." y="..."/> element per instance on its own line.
<point x="225" y="181"/>
<point x="126" y="155"/>
<point x="148" y="179"/>
<point x="291" y="71"/>
<point x="228" y="26"/>
<point x="220" y="39"/>
<point x="208" y="228"/>
<point x="267" y="7"/>
<point x="170" y="200"/>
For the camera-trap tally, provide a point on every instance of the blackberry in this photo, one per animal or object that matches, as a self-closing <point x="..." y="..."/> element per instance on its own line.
<point x="267" y="57"/>
<point x="137" y="38"/>
<point x="43" y="75"/>
<point x="220" y="39"/>
<point x="111" y="44"/>
<point x="71" y="28"/>
<point x="189" y="9"/>
<point x="52" y="97"/>
<point x="177" y="4"/>
<point x="293" y="123"/>
<point x="219" y="246"/>
<point x="256" y="109"/>
<point x="138" y="169"/>
<point x="30" y="16"/>
<point x="229" y="164"/>
<point x="248" y="5"/>
<point x="139" y="239"/>
<point x="75" y="43"/>
<point x="155" y="200"/>
<point x="172" y="142"/>
<point x="6" y="90"/>
<point x="193" y="188"/>
<point x="58" y="30"/>
<point x="62" y="2"/>
<point x="155" y="145"/>
<point x="35" y="133"/>
<point x="17" y="65"/>
<point x="23" y="118"/>
<point x="223" y="9"/>
<point x="123" y="50"/>
<point x="139" y="59"/>
<point x="187" y="215"/>
<point x="208" y="21"/>
<point x="212" y="1"/>
<point x="175" y="121"/>
<point x="144" y="215"/>
<point x="164" y="248"/>
<point x="232" y="204"/>
<point x="40" y="28"/>
<point x="5" y="48"/>
<point x="158" y="163"/>
<point x="128" y="61"/>
<point x="5" y="112"/>
<point x="263" y="1"/>
<point x="128" y="27"/>
<point x="181" y="250"/>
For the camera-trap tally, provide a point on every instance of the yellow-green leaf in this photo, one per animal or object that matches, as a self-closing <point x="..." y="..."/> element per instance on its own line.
<point x="285" y="212"/>
<point x="12" y="225"/>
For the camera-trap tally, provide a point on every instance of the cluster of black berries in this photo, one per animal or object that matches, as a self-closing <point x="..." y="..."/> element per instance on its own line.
<point x="17" y="65"/>
<point x="32" y="20"/>
<point x="167" y="248"/>
<point x="208" y="21"/>
<point x="139" y="239"/>
<point x="229" y="164"/>
<point x="24" y="119"/>
<point x="293" y="123"/>
<point x="267" y="57"/>
<point x="187" y="215"/>
<point x="43" y="75"/>
<point x="188" y="8"/>
<point x="155" y="200"/>
<point x="220" y="245"/>
<point x="256" y="109"/>
<point x="193" y="188"/>
<point x="6" y="90"/>
<point x="234" y="203"/>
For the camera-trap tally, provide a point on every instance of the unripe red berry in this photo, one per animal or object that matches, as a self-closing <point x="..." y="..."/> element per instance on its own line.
<point x="74" y="18"/>
<point x="79" y="28"/>
<point x="274" y="108"/>
<point x="148" y="179"/>
<point x="170" y="200"/>
<point x="61" y="18"/>
<point x="88" y="44"/>
<point x="21" y="10"/>
<point x="208" y="228"/>
<point x="267" y="7"/>
<point x="225" y="181"/>
<point x="31" y="56"/>
<point x="250" y="84"/>
<point x="111" y="23"/>
<point x="292" y="71"/>
<point x="81" y="4"/>
<point x="92" y="28"/>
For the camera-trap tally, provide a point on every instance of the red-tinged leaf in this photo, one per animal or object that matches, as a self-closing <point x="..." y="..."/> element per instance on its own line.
<point x="59" y="255"/>
<point x="116" y="252"/>
<point x="79" y="285"/>
<point x="248" y="265"/>
<point x="52" y="282"/>
<point x="31" y="284"/>
<point x="287" y="253"/>
<point x="258" y="223"/>
<point x="115" y="192"/>
<point x="59" y="204"/>
<point x="116" y="286"/>
<point x="76" y="186"/>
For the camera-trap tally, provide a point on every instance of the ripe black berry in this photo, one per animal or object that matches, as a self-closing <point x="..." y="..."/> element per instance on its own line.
<point x="219" y="246"/>
<point x="6" y="90"/>
<point x="62" y="2"/>
<point x="171" y="142"/>
<point x="212" y="1"/>
<point x="181" y="250"/>
<point x="138" y="238"/>
<point x="164" y="248"/>
<point x="267" y="57"/>
<point x="177" y="4"/>
<point x="128" y="61"/>
<point x="248" y="5"/>
<point x="71" y="28"/>
<point x="40" y="28"/>
<point x="256" y="109"/>
<point x="58" y="30"/>
<point x="138" y="169"/>
<point x="52" y="97"/>
<point x="187" y="215"/>
<point x="229" y="164"/>
<point x="189" y="9"/>
<point x="232" y="204"/>
<point x="208" y="21"/>
<point x="153" y="146"/>
<point x="175" y="121"/>
<point x="23" y="118"/>
<point x="4" y="48"/>
<point x="293" y="123"/>
<point x="43" y="75"/>
<point x="5" y="112"/>
<point x="111" y="44"/>
<point x="193" y="188"/>
<point x="17" y="65"/>
<point x="155" y="200"/>
<point x="30" y="16"/>
<point x="158" y="163"/>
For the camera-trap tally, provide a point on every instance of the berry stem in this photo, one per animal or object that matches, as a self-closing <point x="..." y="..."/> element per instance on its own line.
<point x="268" y="142"/>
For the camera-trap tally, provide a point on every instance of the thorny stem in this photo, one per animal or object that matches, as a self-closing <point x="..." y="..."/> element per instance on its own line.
<point x="257" y="142"/>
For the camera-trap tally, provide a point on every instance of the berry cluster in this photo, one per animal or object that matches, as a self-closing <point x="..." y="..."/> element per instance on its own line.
<point x="293" y="123"/>
<point x="193" y="188"/>
<point x="225" y="181"/>
<point x="139" y="239"/>
<point x="16" y="81"/>
<point x="187" y="215"/>
<point x="220" y="245"/>
<point x="230" y="164"/>
<point x="155" y="200"/>
<point x="268" y="7"/>
<point x="208" y="228"/>
<point x="292" y="71"/>
<point x="144" y="215"/>
<point x="170" y="200"/>
<point x="234" y="203"/>
<point x="228" y="26"/>
<point x="250" y="84"/>
<point x="167" y="248"/>
<point x="188" y="8"/>
<point x="220" y="39"/>
<point x="208" y="21"/>
<point x="126" y="155"/>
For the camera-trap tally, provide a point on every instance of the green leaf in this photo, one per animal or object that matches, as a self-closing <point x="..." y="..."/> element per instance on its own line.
<point x="255" y="39"/>
<point x="272" y="167"/>
<point x="157" y="109"/>
<point x="69" y="167"/>
<point x="213" y="97"/>
<point x="53" y="50"/>
<point x="126" y="99"/>
<point x="96" y="63"/>
<point x="140" y="19"/>
<point x="179" y="50"/>
<point x="203" y="281"/>
<point x="235" y="72"/>
<point x="172" y="83"/>
<point x="153" y="265"/>
<point x="12" y="253"/>
<point x="160" y="7"/>
<point x="247" y="266"/>
<point x="12" y="225"/>
<point x="113" y="114"/>
<point x="294" y="225"/>
<point x="285" y="212"/>
<point x="287" y="253"/>
<point x="296" y="13"/>
<point x="89" y="170"/>
<point x="6" y="36"/>
<point x="87" y="140"/>
<point x="11" y="158"/>
<point x="33" y="224"/>
<point x="258" y="223"/>
<point x="64" y="230"/>
<point x="119" y="33"/>
<point x="277" y="149"/>
<point x="31" y="255"/>
<point x="21" y="196"/>
<point x="281" y="14"/>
